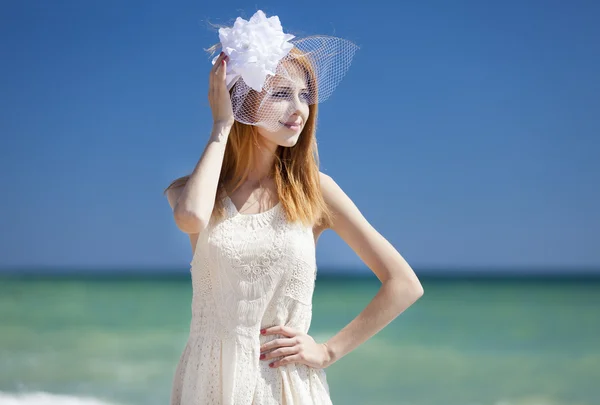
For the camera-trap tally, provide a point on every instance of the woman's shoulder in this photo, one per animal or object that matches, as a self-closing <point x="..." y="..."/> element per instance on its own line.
<point x="343" y="209"/>
<point x="173" y="191"/>
<point x="329" y="189"/>
<point x="333" y="196"/>
<point x="173" y="194"/>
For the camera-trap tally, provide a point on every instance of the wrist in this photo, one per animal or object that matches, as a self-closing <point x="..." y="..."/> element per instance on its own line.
<point x="220" y="130"/>
<point x="330" y="355"/>
<point x="223" y="124"/>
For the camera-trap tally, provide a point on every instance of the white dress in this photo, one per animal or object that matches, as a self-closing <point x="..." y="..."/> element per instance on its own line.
<point x="249" y="271"/>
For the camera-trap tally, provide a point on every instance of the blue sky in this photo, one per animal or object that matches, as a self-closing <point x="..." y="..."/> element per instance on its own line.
<point x="467" y="132"/>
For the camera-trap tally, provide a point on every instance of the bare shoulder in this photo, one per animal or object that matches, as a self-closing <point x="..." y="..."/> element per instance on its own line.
<point x="340" y="204"/>
<point x="173" y="195"/>
<point x="342" y="208"/>
<point x="328" y="187"/>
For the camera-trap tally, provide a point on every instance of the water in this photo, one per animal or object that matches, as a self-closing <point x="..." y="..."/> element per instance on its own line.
<point x="466" y="342"/>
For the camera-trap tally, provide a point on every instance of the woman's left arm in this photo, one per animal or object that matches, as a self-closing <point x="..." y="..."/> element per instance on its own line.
<point x="400" y="287"/>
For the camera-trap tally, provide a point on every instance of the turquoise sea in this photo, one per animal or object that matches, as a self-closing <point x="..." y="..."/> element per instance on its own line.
<point x="111" y="340"/>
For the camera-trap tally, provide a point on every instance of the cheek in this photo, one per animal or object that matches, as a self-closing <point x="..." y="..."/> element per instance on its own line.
<point x="306" y="110"/>
<point x="277" y="107"/>
<point x="270" y="110"/>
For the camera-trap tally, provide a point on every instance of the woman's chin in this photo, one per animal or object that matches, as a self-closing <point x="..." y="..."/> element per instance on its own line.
<point x="284" y="137"/>
<point x="288" y="142"/>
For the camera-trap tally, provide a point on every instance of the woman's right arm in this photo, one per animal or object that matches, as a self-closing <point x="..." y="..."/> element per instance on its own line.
<point x="194" y="204"/>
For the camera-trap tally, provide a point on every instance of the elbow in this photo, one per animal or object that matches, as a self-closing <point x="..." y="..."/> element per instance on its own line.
<point x="189" y="222"/>
<point x="415" y="288"/>
<point x="407" y="291"/>
<point x="418" y="291"/>
<point x="413" y="292"/>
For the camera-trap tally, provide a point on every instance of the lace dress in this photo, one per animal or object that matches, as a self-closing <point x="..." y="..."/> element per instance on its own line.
<point x="249" y="271"/>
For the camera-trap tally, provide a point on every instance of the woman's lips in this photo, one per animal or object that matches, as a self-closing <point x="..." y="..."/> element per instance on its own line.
<point x="293" y="125"/>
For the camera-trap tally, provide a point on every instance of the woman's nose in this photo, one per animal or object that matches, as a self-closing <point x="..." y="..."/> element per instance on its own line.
<point x="297" y="103"/>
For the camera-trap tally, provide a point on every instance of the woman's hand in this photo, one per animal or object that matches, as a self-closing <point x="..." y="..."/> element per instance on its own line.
<point x="218" y="96"/>
<point x="296" y="347"/>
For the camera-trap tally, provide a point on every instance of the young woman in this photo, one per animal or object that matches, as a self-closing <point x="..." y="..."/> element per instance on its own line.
<point x="254" y="207"/>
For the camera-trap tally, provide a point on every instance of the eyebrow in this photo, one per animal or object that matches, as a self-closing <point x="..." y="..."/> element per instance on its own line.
<point x="289" y="88"/>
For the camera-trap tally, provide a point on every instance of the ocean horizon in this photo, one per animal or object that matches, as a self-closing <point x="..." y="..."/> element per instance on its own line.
<point x="458" y="272"/>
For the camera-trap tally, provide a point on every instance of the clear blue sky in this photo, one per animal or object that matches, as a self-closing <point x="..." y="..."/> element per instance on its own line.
<point x="467" y="132"/>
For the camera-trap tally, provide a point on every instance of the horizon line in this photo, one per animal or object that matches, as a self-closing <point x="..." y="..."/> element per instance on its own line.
<point x="436" y="272"/>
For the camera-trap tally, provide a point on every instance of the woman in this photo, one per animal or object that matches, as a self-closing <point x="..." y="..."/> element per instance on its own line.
<point x="254" y="208"/>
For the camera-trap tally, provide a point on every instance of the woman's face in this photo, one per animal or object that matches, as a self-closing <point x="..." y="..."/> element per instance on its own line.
<point x="284" y="110"/>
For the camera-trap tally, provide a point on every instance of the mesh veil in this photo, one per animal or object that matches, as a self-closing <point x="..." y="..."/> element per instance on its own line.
<point x="309" y="73"/>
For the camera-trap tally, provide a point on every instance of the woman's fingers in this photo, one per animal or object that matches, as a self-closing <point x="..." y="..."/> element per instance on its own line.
<point x="273" y="344"/>
<point x="218" y="95"/>
<point x="283" y="351"/>
<point x="219" y="71"/>
<point x="218" y="63"/>
<point x="294" y="358"/>
<point x="223" y="71"/>
<point x="280" y="330"/>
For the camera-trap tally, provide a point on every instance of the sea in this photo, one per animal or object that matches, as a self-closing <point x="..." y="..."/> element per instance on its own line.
<point x="102" y="340"/>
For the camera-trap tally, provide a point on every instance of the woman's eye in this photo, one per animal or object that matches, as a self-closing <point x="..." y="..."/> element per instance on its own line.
<point x="287" y="94"/>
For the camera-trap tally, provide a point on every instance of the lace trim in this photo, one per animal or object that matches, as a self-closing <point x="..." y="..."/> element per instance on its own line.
<point x="257" y="220"/>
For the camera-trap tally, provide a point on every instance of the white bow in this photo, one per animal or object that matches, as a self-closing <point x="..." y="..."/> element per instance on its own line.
<point x="255" y="48"/>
